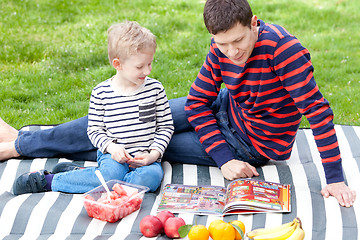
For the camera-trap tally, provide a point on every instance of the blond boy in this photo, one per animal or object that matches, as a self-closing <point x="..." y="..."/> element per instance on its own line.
<point x="129" y="121"/>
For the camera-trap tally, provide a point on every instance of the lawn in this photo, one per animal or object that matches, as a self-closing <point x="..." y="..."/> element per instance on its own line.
<point x="54" y="52"/>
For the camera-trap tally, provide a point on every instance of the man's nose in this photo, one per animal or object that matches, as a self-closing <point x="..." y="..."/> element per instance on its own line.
<point x="232" y="51"/>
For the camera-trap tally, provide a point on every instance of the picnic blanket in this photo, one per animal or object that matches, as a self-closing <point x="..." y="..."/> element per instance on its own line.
<point x="54" y="215"/>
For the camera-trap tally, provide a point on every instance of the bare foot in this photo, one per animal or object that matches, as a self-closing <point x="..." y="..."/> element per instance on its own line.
<point x="7" y="132"/>
<point x="7" y="151"/>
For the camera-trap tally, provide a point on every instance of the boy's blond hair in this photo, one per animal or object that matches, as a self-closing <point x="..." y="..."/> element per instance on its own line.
<point x="128" y="38"/>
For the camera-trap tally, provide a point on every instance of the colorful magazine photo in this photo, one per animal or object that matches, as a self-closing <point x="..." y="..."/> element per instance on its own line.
<point x="242" y="196"/>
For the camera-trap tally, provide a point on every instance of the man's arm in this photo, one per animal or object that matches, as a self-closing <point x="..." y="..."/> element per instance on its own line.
<point x="202" y="94"/>
<point x="296" y="74"/>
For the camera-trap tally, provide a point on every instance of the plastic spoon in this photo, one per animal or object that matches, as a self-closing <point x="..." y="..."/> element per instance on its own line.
<point x="102" y="180"/>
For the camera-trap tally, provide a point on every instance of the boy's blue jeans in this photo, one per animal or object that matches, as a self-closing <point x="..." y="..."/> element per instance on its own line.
<point x="81" y="181"/>
<point x="70" y="139"/>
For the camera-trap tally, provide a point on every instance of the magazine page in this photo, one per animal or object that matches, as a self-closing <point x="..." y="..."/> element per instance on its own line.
<point x="195" y="199"/>
<point x="249" y="195"/>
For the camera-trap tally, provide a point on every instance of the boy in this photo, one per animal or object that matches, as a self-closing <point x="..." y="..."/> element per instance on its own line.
<point x="129" y="122"/>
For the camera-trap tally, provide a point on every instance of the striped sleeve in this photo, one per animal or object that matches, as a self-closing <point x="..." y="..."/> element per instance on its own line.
<point x="164" y="123"/>
<point x="96" y="125"/>
<point x="296" y="75"/>
<point x="203" y="93"/>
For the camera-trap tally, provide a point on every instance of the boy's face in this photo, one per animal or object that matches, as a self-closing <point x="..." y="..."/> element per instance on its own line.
<point x="238" y="42"/>
<point x="134" y="69"/>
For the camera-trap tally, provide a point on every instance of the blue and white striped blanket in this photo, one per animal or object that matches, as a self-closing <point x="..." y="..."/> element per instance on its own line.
<point x="54" y="215"/>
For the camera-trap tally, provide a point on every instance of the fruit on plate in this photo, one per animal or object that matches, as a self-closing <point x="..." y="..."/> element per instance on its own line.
<point x="291" y="230"/>
<point x="121" y="204"/>
<point x="164" y="215"/>
<point x="172" y="226"/>
<point x="151" y="226"/>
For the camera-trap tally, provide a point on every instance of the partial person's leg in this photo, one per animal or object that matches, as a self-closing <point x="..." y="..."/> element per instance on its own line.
<point x="68" y="140"/>
<point x="8" y="134"/>
<point x="185" y="146"/>
<point x="7" y="151"/>
<point x="83" y="180"/>
<point x="149" y="176"/>
<point x="181" y="123"/>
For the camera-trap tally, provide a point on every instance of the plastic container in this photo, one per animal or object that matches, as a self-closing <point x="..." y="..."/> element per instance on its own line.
<point x="124" y="200"/>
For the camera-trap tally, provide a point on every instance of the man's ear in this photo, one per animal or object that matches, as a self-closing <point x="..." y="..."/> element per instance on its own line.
<point x="254" y="22"/>
<point x="116" y="63"/>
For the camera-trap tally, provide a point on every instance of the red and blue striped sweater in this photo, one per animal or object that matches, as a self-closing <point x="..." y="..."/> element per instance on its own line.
<point x="268" y="96"/>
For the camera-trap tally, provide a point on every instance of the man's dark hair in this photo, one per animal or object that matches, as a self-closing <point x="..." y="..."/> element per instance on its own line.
<point x="221" y="15"/>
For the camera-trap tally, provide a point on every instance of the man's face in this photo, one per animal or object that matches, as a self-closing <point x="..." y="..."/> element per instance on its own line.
<point x="238" y="42"/>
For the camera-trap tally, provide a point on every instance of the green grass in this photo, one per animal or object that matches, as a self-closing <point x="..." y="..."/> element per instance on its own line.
<point x="54" y="52"/>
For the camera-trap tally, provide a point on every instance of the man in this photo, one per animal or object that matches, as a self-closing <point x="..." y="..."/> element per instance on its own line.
<point x="269" y="86"/>
<point x="269" y="81"/>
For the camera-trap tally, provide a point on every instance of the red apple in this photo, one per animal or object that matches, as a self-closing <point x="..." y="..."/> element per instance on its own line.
<point x="172" y="226"/>
<point x="151" y="226"/>
<point x="164" y="215"/>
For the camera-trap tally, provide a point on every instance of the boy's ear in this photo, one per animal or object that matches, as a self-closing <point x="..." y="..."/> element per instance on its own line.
<point x="116" y="63"/>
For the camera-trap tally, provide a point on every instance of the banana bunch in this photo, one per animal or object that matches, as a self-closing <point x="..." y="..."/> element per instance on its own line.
<point x="291" y="230"/>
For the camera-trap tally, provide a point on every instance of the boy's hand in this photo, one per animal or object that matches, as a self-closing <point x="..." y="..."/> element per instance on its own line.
<point x="118" y="153"/>
<point x="344" y="195"/>
<point x="144" y="159"/>
<point x="238" y="169"/>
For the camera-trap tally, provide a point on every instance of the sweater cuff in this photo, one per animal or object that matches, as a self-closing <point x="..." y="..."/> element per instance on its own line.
<point x="221" y="154"/>
<point x="333" y="172"/>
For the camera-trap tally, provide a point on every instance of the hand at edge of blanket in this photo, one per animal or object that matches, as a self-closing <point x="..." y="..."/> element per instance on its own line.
<point x="344" y="195"/>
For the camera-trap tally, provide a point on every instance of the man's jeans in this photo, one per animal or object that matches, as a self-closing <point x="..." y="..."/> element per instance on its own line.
<point x="83" y="180"/>
<point x="240" y="149"/>
<point x="70" y="139"/>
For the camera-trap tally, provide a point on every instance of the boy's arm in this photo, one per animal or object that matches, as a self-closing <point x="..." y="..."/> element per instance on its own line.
<point x="164" y="123"/>
<point x="96" y="128"/>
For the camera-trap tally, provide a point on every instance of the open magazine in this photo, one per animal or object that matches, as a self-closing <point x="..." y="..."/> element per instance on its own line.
<point x="241" y="196"/>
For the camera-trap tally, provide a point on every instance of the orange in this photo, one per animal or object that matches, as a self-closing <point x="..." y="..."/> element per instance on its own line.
<point x="213" y="224"/>
<point x="241" y="225"/>
<point x="220" y="230"/>
<point x="198" y="232"/>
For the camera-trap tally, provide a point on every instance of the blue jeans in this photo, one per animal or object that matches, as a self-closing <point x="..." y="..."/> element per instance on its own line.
<point x="81" y="181"/>
<point x="70" y="139"/>
<point x="238" y="146"/>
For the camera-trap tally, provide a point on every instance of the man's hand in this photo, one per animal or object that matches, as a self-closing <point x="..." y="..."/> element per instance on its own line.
<point x="344" y="195"/>
<point x="118" y="153"/>
<point x="238" y="169"/>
